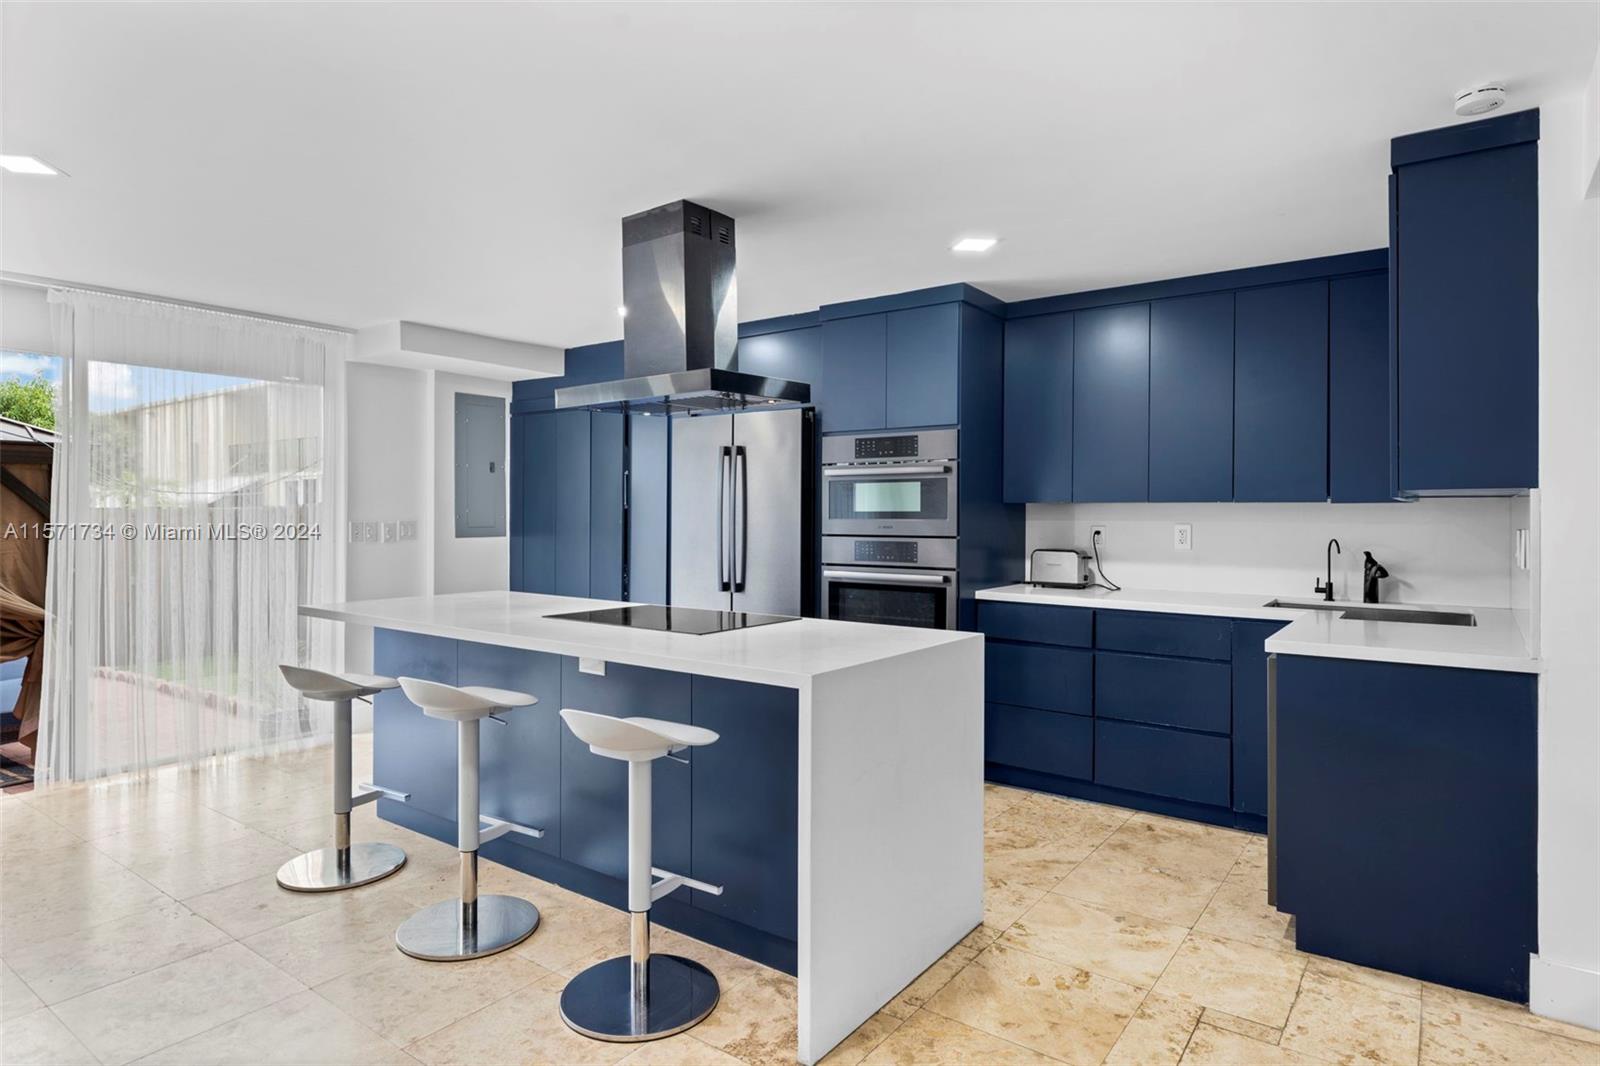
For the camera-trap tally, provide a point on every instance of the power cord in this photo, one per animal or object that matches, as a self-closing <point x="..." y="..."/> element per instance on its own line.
<point x="1104" y="582"/>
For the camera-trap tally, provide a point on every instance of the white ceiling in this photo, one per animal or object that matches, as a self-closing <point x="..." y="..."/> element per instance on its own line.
<point x="467" y="165"/>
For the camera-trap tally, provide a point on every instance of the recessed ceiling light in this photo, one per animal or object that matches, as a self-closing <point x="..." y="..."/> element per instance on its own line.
<point x="622" y="310"/>
<point x="974" y="244"/>
<point x="28" y="164"/>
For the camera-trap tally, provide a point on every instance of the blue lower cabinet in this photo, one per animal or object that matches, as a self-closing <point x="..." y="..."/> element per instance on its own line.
<point x="1072" y="626"/>
<point x="1034" y="675"/>
<point x="1430" y="776"/>
<point x="1047" y="742"/>
<point x="1161" y="762"/>
<point x="1250" y="714"/>
<point x="410" y="751"/>
<point x="746" y="791"/>
<point x="519" y="758"/>
<point x="594" y="789"/>
<point x="1185" y="693"/>
<point x="1191" y="636"/>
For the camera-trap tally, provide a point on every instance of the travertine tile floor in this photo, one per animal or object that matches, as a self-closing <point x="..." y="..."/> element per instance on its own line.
<point x="139" y="921"/>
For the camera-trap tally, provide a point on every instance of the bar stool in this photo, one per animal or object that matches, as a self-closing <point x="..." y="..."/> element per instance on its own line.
<point x="472" y="926"/>
<point x="639" y="996"/>
<point x="344" y="865"/>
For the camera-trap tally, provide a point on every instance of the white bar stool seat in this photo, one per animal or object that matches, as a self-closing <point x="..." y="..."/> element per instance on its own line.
<point x="344" y="865"/>
<point x="473" y="925"/>
<point x="640" y="996"/>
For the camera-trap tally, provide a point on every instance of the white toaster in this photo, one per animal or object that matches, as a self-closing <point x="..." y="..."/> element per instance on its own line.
<point x="1061" y="569"/>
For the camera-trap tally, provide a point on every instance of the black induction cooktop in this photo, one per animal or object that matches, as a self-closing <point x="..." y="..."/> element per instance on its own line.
<point x="693" y="620"/>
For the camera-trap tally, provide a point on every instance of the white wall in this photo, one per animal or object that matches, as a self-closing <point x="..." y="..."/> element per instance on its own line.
<point x="1436" y="551"/>
<point x="24" y="319"/>
<point x="463" y="564"/>
<point x="390" y="470"/>
<point x="1566" y="971"/>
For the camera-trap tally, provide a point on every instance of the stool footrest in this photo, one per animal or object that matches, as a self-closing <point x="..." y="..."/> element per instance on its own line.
<point x="671" y="882"/>
<point x="495" y="828"/>
<point x="367" y="792"/>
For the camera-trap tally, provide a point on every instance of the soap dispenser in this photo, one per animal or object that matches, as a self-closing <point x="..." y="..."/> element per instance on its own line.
<point x="1372" y="572"/>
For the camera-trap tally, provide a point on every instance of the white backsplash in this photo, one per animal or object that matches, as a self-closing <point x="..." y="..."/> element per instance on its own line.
<point x="1456" y="551"/>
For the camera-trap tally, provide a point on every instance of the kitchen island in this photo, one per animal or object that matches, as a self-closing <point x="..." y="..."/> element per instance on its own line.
<point x="841" y="809"/>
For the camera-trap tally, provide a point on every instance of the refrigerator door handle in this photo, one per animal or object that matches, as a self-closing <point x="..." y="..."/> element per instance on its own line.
<point x="741" y="504"/>
<point x="724" y="476"/>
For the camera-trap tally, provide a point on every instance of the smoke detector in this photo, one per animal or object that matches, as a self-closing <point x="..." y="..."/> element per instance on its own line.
<point x="1481" y="99"/>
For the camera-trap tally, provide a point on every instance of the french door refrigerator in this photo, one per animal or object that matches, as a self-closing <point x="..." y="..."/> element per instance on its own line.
<point x="743" y="513"/>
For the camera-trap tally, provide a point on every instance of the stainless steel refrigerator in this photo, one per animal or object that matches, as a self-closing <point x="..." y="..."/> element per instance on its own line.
<point x="743" y="525"/>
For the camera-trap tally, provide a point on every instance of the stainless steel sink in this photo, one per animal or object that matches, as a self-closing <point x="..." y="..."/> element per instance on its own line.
<point x="1431" y="618"/>
<point x="1307" y="605"/>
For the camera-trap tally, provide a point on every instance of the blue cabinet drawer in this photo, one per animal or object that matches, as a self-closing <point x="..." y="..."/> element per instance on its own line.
<point x="1188" y="635"/>
<point x="1044" y="741"/>
<point x="1031" y="675"/>
<point x="1161" y="762"/>
<point x="1172" y="692"/>
<point x="1072" y="626"/>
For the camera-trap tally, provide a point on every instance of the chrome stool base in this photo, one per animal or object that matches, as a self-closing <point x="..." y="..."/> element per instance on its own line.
<point x="327" y="871"/>
<point x="440" y="934"/>
<point x="599" y="1001"/>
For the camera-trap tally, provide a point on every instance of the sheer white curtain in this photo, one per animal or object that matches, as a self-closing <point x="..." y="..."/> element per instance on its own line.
<point x="198" y="494"/>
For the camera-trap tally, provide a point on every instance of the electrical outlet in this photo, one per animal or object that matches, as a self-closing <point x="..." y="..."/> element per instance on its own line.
<point x="597" y="667"/>
<point x="1097" y="536"/>
<point x="1182" y="537"/>
<point x="357" y="533"/>
<point x="391" y="532"/>
<point x="408" y="529"/>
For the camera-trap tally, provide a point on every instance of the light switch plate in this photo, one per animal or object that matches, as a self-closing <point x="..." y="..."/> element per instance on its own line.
<point x="391" y="532"/>
<point x="597" y="667"/>
<point x="370" y="531"/>
<point x="1183" y="537"/>
<point x="408" y="529"/>
<point x="356" y="533"/>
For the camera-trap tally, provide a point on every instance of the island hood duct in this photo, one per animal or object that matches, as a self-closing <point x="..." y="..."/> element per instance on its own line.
<point x="681" y="332"/>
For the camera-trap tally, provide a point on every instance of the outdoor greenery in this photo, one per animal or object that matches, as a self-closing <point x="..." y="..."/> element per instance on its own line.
<point x="31" y="400"/>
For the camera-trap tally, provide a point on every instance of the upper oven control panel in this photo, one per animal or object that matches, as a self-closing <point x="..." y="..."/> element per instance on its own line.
<point x="871" y="448"/>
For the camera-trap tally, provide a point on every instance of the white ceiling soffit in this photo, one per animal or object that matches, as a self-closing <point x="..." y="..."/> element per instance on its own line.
<point x="468" y="164"/>
<point x="424" y="347"/>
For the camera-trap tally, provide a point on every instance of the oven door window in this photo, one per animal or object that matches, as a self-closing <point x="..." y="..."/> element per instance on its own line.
<point x="923" y="606"/>
<point x="885" y="498"/>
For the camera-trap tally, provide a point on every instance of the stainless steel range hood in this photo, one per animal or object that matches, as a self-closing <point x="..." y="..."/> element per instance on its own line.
<point x="681" y="333"/>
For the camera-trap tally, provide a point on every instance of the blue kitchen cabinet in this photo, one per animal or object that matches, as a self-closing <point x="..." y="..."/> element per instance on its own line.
<point x="1111" y="404"/>
<point x="1465" y="250"/>
<point x="923" y="376"/>
<point x="790" y="354"/>
<point x="412" y="752"/>
<point x="1429" y="775"/>
<point x="1191" y="398"/>
<point x="1281" y="392"/>
<point x="520" y="749"/>
<point x="533" y="502"/>
<point x="852" y="395"/>
<point x="571" y="502"/>
<point x="746" y="794"/>
<point x="649" y="507"/>
<point x="1038" y="409"/>
<point x="1250" y="715"/>
<point x="607" y="455"/>
<point x="1157" y="633"/>
<point x="1155" y="690"/>
<point x="1045" y="742"/>
<point x="1036" y="675"/>
<point x="594" y="789"/>
<point x="1161" y="762"/>
<point x="1037" y="624"/>
<point x="1358" y="389"/>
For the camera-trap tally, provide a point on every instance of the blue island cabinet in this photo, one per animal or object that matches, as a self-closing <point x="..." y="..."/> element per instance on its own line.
<point x="726" y="814"/>
<point x="1406" y="818"/>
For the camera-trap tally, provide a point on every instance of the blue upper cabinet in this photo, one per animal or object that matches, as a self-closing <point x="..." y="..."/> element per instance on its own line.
<point x="924" y="366"/>
<point x="1466" y="260"/>
<point x="1280" y="429"/>
<point x="1191" y="398"/>
<point x="1038" y="409"/>
<point x="1111" y="404"/>
<point x="1358" y="389"/>
<point x="790" y="354"/>
<point x="852" y="395"/>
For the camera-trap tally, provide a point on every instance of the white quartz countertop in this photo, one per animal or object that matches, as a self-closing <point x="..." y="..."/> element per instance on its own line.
<point x="789" y="654"/>
<point x="1497" y="642"/>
